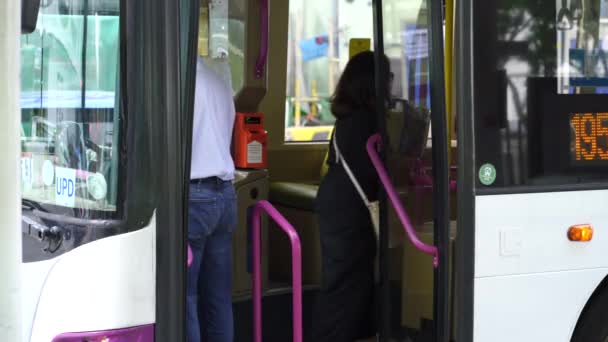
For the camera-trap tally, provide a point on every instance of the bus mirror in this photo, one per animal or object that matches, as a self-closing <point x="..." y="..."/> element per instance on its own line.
<point x="29" y="15"/>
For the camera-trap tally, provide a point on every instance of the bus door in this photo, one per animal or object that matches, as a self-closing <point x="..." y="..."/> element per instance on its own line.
<point x="103" y="171"/>
<point x="533" y="169"/>
<point x="414" y="291"/>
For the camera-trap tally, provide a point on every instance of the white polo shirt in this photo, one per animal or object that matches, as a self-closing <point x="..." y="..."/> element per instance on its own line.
<point x="212" y="126"/>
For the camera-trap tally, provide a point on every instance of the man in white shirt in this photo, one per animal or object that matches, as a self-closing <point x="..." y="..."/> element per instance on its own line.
<point x="212" y="211"/>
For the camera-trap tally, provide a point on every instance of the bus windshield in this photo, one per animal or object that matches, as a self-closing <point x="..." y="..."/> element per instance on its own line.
<point x="69" y="107"/>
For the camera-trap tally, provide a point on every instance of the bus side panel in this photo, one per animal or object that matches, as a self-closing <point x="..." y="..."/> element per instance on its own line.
<point x="532" y="307"/>
<point x="528" y="233"/>
<point x="531" y="281"/>
<point x="104" y="285"/>
<point x="33" y="277"/>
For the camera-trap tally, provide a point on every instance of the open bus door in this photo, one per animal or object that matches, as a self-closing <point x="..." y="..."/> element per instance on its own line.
<point x="412" y="38"/>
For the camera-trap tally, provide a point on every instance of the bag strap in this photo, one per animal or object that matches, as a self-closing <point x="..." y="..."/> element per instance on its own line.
<point x="340" y="159"/>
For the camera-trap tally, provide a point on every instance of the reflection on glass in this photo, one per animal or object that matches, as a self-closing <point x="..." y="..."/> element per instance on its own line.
<point x="582" y="40"/>
<point x="69" y="117"/>
<point x="406" y="39"/>
<point x="221" y="39"/>
<point x="218" y="28"/>
<point x="535" y="72"/>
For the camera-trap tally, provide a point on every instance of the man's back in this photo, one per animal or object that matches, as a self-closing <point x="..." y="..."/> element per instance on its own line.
<point x="212" y="127"/>
<point x="212" y="212"/>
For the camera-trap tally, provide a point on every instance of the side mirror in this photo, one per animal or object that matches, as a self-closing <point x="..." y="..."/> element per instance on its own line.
<point x="29" y="15"/>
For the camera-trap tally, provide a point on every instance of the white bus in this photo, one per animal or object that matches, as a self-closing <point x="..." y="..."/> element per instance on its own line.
<point x="514" y="203"/>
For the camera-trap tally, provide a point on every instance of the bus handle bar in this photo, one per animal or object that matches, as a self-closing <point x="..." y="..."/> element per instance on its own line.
<point x="262" y="59"/>
<point x="373" y="143"/>
<point x="296" y="264"/>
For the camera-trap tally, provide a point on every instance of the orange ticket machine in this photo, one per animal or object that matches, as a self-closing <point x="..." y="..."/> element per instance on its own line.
<point x="249" y="141"/>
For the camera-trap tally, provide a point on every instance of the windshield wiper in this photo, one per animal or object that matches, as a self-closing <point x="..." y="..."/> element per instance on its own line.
<point x="31" y="205"/>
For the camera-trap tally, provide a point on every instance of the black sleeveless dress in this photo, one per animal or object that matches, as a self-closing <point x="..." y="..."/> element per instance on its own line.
<point x="345" y="309"/>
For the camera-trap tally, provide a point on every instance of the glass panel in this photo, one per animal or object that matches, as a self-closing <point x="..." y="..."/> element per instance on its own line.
<point x="406" y="31"/>
<point x="69" y="110"/>
<point x="222" y="39"/>
<point x="318" y="50"/>
<point x="236" y="33"/>
<point x="406" y="41"/>
<point x="540" y="76"/>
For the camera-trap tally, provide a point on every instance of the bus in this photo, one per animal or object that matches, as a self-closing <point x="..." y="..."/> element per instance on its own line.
<point x="92" y="212"/>
<point x="509" y="187"/>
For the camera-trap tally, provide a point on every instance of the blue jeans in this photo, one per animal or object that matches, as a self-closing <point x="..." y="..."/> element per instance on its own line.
<point x="211" y="221"/>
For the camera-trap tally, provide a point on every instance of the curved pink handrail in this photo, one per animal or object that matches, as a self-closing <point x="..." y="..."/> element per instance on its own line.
<point x="263" y="54"/>
<point x="374" y="142"/>
<point x="190" y="257"/>
<point x="296" y="266"/>
<point x="143" y="333"/>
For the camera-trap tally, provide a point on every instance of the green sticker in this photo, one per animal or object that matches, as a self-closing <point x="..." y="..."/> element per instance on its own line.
<point x="487" y="174"/>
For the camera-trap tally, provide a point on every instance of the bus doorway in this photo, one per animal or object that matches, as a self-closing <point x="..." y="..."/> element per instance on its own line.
<point x="415" y="289"/>
<point x="291" y="178"/>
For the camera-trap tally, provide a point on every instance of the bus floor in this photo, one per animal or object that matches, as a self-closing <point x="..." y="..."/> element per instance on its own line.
<point x="277" y="318"/>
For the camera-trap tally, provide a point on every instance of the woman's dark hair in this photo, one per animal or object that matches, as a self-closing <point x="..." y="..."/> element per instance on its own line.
<point x="356" y="89"/>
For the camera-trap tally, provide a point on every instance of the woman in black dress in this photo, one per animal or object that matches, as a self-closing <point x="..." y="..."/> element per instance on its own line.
<point x="345" y="310"/>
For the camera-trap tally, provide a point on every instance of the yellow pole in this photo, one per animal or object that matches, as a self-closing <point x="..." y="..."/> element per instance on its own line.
<point x="313" y="102"/>
<point x="297" y="104"/>
<point x="203" y="31"/>
<point x="448" y="53"/>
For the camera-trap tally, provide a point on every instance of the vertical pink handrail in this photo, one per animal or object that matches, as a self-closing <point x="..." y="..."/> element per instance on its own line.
<point x="296" y="269"/>
<point x="373" y="143"/>
<point x="260" y="63"/>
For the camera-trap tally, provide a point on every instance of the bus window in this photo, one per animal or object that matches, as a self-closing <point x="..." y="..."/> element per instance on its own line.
<point x="318" y="50"/>
<point x="69" y="106"/>
<point x="542" y="124"/>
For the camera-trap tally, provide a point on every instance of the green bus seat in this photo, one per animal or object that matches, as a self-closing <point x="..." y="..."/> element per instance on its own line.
<point x="293" y="195"/>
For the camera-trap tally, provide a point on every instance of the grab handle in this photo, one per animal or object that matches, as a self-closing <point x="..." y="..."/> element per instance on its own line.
<point x="373" y="143"/>
<point x="296" y="266"/>
<point x="190" y="257"/>
<point x="263" y="54"/>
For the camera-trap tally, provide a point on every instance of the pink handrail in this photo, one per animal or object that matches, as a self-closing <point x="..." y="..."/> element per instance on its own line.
<point x="190" y="256"/>
<point x="296" y="265"/>
<point x="374" y="142"/>
<point x="260" y="63"/>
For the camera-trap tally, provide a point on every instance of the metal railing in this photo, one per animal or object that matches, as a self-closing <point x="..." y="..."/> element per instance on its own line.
<point x="296" y="264"/>
<point x="373" y="143"/>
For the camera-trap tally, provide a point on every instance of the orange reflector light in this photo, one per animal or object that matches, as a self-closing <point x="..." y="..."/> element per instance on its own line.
<point x="580" y="232"/>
